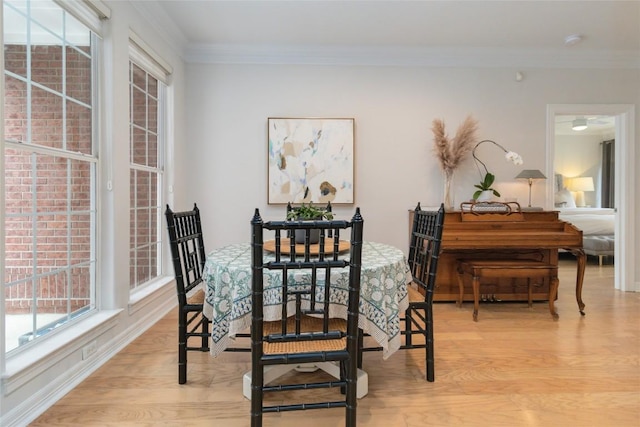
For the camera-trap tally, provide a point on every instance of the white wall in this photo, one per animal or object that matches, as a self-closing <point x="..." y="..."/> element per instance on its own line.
<point x="393" y="107"/>
<point x="580" y="156"/>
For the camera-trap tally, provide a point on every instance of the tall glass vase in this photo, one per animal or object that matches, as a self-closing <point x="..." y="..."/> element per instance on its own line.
<point x="448" y="191"/>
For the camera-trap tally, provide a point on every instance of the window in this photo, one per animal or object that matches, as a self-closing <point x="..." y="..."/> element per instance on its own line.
<point x="146" y="95"/>
<point x="50" y="169"/>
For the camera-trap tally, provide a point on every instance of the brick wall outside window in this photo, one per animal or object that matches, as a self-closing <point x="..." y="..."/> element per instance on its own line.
<point x="48" y="195"/>
<point x="145" y="175"/>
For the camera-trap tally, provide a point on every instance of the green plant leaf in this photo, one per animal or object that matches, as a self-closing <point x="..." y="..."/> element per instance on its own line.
<point x="486" y="182"/>
<point x="308" y="212"/>
<point x="485" y="185"/>
<point x="489" y="178"/>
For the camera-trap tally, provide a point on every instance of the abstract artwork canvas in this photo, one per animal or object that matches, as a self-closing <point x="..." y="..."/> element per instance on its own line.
<point x="310" y="160"/>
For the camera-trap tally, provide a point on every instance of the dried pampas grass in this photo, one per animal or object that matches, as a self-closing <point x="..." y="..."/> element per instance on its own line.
<point x="451" y="152"/>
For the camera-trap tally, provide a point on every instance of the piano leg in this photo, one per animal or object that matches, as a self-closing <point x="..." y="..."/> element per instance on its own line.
<point x="582" y="262"/>
<point x="553" y="293"/>
<point x="460" y="287"/>
<point x="476" y="296"/>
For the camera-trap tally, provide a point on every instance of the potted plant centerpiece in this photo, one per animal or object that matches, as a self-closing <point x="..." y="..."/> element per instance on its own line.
<point x="308" y="212"/>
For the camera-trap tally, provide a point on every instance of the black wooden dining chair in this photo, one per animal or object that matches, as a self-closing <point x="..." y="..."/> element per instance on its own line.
<point x="189" y="256"/>
<point x="307" y="277"/>
<point x="424" y="252"/>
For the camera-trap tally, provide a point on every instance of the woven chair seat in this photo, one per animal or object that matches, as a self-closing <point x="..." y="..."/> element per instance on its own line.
<point x="414" y="294"/>
<point x="196" y="298"/>
<point x="307" y="324"/>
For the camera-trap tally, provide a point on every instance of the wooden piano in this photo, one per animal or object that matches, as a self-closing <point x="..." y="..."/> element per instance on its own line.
<point x="534" y="235"/>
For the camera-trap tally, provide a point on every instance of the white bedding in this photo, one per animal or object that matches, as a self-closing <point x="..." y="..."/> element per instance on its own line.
<point x="592" y="221"/>
<point x="591" y="211"/>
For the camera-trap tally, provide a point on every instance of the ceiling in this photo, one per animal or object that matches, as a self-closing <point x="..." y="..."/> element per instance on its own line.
<point x="518" y="28"/>
<point x="515" y="33"/>
<point x="596" y="125"/>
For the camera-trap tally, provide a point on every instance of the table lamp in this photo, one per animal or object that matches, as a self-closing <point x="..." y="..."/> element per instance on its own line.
<point x="580" y="185"/>
<point x="530" y="174"/>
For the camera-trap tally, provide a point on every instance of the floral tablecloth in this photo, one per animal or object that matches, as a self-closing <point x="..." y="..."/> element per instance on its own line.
<point x="383" y="293"/>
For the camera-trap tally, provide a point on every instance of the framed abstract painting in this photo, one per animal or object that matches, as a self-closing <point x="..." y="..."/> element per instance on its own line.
<point x="310" y="160"/>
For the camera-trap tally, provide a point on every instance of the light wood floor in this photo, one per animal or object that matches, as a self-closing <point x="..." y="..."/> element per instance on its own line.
<point x="515" y="367"/>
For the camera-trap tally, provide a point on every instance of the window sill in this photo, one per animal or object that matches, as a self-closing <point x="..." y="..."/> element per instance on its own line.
<point x="152" y="294"/>
<point x="28" y="364"/>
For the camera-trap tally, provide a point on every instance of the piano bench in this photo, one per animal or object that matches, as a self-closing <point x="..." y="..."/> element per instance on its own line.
<point x="479" y="269"/>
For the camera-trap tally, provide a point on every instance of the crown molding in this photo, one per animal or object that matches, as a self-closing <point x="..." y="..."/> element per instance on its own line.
<point x="407" y="56"/>
<point x="160" y="21"/>
<point x="411" y="56"/>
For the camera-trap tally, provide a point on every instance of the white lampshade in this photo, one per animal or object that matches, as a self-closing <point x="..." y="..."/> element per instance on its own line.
<point x="582" y="183"/>
<point x="579" y="185"/>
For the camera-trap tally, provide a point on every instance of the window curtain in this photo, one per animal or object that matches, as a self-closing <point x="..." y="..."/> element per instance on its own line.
<point x="608" y="173"/>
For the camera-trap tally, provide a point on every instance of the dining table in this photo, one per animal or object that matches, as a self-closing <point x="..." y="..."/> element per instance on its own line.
<point x="385" y="274"/>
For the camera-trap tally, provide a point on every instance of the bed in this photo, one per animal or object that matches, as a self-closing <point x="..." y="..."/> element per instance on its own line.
<point x="597" y="224"/>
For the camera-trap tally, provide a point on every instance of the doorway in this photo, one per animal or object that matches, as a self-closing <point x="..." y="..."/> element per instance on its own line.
<point x="623" y="194"/>
<point x="584" y="161"/>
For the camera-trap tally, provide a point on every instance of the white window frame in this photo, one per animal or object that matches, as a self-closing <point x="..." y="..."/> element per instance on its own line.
<point x="145" y="58"/>
<point x="90" y="158"/>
